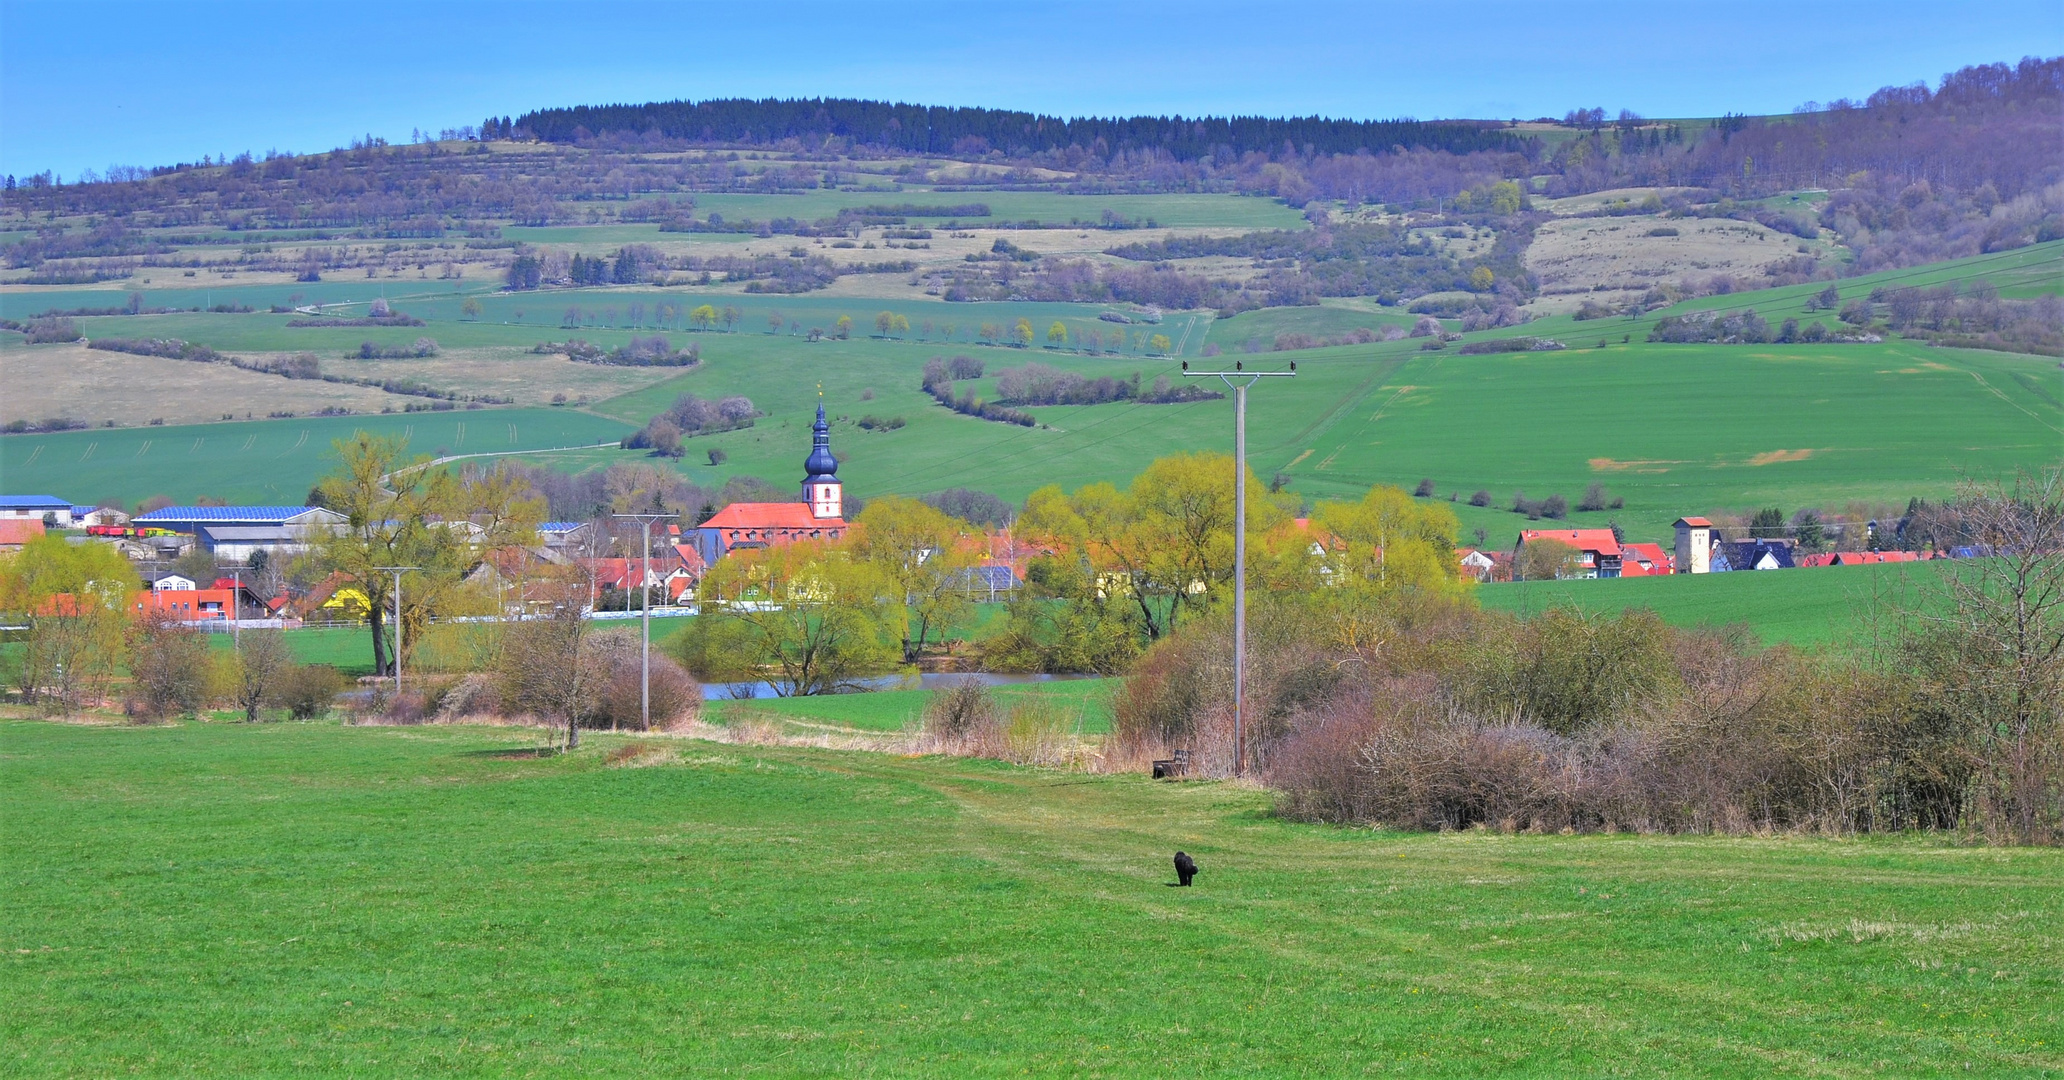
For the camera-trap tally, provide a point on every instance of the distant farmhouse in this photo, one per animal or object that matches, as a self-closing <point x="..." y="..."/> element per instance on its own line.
<point x="52" y="511"/>
<point x="235" y="532"/>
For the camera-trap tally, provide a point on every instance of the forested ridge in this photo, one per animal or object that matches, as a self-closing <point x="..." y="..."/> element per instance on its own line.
<point x="935" y="129"/>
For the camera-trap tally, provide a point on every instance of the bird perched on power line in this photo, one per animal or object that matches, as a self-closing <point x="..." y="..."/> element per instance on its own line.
<point x="1185" y="868"/>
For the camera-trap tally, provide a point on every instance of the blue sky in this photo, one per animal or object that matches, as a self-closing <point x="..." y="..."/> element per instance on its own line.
<point x="86" y="84"/>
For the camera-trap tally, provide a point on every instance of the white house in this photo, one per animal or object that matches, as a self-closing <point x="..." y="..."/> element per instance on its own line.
<point x="48" y="509"/>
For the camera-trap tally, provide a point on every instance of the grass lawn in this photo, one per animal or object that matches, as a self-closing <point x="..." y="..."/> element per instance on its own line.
<point x="219" y="899"/>
<point x="1817" y="606"/>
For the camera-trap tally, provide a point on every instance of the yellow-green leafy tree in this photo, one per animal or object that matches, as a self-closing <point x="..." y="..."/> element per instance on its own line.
<point x="1165" y="543"/>
<point x="924" y="553"/>
<point x="1057" y="334"/>
<point x="808" y="618"/>
<point x="73" y="598"/>
<point x="403" y="513"/>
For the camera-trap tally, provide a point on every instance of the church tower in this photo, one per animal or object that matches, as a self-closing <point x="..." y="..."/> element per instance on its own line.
<point x="821" y="487"/>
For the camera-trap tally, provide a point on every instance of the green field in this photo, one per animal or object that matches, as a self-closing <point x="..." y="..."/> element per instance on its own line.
<point x="264" y="461"/>
<point x="1828" y="605"/>
<point x="1672" y="429"/>
<point x="311" y="899"/>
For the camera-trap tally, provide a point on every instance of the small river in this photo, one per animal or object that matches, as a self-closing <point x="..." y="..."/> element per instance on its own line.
<point x="743" y="690"/>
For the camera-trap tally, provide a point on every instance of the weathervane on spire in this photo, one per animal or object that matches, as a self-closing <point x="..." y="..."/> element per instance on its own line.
<point x="821" y="486"/>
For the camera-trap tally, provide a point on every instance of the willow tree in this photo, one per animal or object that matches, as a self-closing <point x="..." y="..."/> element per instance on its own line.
<point x="808" y="618"/>
<point x="1164" y="543"/>
<point x="74" y="600"/>
<point x="404" y="513"/>
<point x="924" y="552"/>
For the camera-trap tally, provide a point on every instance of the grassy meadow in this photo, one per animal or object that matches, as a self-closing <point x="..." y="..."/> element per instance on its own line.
<point x="265" y="461"/>
<point x="224" y="899"/>
<point x="1828" y="605"/>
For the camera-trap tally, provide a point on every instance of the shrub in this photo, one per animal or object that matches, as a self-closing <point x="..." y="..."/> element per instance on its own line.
<point x="1481" y="498"/>
<point x="676" y="696"/>
<point x="170" y="667"/>
<point x="1425" y="488"/>
<point x="960" y="715"/>
<point x="309" y="690"/>
<point x="40" y="331"/>
<point x="1576" y="722"/>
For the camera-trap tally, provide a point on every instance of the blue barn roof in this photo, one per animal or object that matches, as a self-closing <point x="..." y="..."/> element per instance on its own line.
<point x="253" y="515"/>
<point x="34" y="502"/>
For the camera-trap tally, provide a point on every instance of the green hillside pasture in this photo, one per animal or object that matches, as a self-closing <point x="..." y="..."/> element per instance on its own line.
<point x="1674" y="429"/>
<point x="1671" y="428"/>
<point x="21" y="302"/>
<point x="1828" y="605"/>
<point x="1332" y="317"/>
<point x="603" y="316"/>
<point x="438" y="900"/>
<point x="902" y="710"/>
<point x="2036" y="270"/>
<point x="264" y="461"/>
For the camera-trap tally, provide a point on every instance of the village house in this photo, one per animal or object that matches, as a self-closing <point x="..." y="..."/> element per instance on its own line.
<point x="1598" y="550"/>
<point x="1644" y="560"/>
<point x="16" y="532"/>
<point x="1860" y="558"/>
<point x="1752" y="554"/>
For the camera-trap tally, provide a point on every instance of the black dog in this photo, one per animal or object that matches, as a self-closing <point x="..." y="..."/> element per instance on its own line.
<point x="1185" y="868"/>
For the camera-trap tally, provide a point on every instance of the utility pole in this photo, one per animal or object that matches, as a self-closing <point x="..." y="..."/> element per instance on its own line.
<point x="1238" y="380"/>
<point x="397" y="571"/>
<point x="236" y="612"/>
<point x="645" y="617"/>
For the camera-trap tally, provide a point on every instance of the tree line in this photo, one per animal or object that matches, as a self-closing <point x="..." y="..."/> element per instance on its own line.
<point x="948" y="130"/>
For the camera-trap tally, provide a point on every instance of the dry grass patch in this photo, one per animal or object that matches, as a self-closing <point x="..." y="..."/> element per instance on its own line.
<point x="95" y="386"/>
<point x="510" y="372"/>
<point x="1574" y="257"/>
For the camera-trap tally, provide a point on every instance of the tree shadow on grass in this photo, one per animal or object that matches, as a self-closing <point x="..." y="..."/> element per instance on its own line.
<point x="515" y="753"/>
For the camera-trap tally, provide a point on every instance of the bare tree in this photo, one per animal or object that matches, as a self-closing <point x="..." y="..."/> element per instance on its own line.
<point x="1989" y="653"/>
<point x="258" y="666"/>
<point x="543" y="670"/>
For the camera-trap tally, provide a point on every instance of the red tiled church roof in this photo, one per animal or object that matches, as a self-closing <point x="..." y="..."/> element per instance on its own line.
<point x="770" y="516"/>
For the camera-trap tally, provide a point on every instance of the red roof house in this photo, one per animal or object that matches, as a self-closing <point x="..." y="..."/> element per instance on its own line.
<point x="15" y="532"/>
<point x="1598" y="550"/>
<point x="1644" y="560"/>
